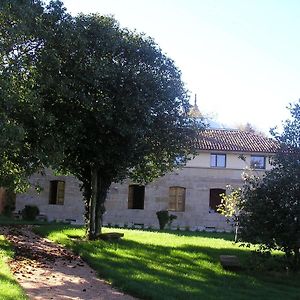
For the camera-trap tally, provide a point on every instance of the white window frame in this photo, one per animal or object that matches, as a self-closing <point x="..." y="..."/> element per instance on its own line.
<point x="258" y="167"/>
<point x="214" y="161"/>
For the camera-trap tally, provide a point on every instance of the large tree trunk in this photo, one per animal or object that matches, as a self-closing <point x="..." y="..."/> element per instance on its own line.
<point x="86" y="189"/>
<point x="91" y="228"/>
<point x="99" y="187"/>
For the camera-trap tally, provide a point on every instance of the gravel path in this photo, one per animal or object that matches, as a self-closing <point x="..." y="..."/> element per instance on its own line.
<point x="49" y="271"/>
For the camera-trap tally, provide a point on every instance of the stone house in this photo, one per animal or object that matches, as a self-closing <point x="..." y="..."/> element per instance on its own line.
<point x="191" y="193"/>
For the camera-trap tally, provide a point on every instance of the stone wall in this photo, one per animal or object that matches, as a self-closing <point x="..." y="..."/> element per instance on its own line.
<point x="197" y="215"/>
<point x="73" y="206"/>
<point x="197" y="178"/>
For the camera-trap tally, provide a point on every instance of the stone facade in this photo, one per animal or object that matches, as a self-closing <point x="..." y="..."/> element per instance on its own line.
<point x="190" y="193"/>
<point x="72" y="208"/>
<point x="198" y="178"/>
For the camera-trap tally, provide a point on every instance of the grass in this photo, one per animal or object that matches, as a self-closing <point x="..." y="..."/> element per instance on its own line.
<point x="175" y="265"/>
<point x="9" y="288"/>
<point x="5" y="220"/>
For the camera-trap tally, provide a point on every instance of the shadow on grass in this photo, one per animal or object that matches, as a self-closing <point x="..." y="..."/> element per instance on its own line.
<point x="184" y="271"/>
<point x="217" y="235"/>
<point x="6" y="279"/>
<point x="5" y="247"/>
<point x="9" y="288"/>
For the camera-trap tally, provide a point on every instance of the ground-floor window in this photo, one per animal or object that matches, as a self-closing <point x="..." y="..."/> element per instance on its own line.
<point x="215" y="198"/>
<point x="57" y="192"/>
<point x="177" y="198"/>
<point x="136" y="196"/>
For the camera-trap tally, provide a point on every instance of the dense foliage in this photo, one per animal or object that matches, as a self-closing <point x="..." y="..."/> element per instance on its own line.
<point x="99" y="101"/>
<point x="267" y="209"/>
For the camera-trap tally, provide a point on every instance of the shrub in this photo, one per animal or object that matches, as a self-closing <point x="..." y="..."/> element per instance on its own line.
<point x="164" y="218"/>
<point x="30" y="212"/>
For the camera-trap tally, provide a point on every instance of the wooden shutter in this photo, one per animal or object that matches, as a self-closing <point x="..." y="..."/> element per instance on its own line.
<point x="177" y="198"/>
<point x="172" y="198"/>
<point x="60" y="192"/>
<point x="180" y="199"/>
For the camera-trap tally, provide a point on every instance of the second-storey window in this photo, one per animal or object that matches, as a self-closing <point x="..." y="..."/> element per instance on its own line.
<point x="218" y="160"/>
<point x="258" y="162"/>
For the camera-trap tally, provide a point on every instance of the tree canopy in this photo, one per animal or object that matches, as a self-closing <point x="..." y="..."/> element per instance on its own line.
<point x="21" y="112"/>
<point x="269" y="207"/>
<point x="104" y="103"/>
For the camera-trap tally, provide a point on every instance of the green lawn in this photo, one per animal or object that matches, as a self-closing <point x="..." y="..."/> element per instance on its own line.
<point x="9" y="288"/>
<point x="176" y="265"/>
<point x="4" y="220"/>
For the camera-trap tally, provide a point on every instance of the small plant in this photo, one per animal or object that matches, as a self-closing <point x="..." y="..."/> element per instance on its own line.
<point x="30" y="212"/>
<point x="164" y="218"/>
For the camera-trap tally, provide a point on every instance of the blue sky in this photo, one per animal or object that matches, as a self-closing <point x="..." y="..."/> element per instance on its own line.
<point x="241" y="57"/>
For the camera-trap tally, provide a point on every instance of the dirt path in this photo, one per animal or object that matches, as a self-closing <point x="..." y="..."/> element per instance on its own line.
<point x="48" y="271"/>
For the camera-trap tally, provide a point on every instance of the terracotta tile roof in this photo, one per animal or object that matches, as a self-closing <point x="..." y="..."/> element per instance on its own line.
<point x="235" y="140"/>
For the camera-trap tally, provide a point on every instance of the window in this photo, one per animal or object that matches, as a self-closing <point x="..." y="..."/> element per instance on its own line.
<point x="136" y="196"/>
<point x="215" y="198"/>
<point x="218" y="160"/>
<point x="176" y="198"/>
<point x="57" y="192"/>
<point x="258" y="162"/>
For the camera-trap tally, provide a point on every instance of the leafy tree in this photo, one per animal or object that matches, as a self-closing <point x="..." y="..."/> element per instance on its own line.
<point x="112" y="104"/>
<point x="23" y="148"/>
<point x="120" y="108"/>
<point x="269" y="207"/>
<point x="248" y="127"/>
<point x="230" y="208"/>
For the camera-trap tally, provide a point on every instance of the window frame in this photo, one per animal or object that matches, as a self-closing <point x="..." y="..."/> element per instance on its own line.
<point x="215" y="165"/>
<point x="221" y="191"/>
<point x="132" y="203"/>
<point x="57" y="190"/>
<point x="263" y="167"/>
<point x="178" y="204"/>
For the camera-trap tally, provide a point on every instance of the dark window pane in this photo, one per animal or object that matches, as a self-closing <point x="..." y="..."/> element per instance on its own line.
<point x="215" y="198"/>
<point x="53" y="192"/>
<point x="136" y="196"/>
<point x="57" y="192"/>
